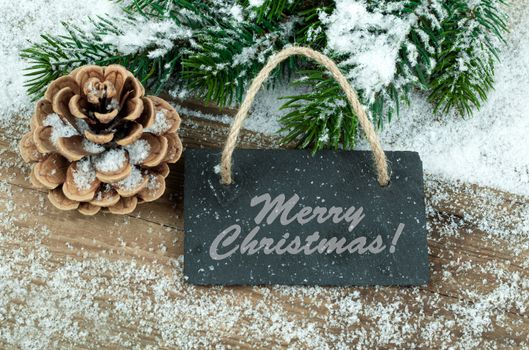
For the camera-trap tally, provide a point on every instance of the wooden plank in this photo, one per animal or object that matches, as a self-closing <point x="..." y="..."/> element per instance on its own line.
<point x="130" y="267"/>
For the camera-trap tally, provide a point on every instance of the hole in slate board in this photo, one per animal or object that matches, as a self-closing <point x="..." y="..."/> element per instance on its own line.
<point x="226" y="193"/>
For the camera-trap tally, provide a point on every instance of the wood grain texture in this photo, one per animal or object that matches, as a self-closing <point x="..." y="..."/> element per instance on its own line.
<point x="479" y="271"/>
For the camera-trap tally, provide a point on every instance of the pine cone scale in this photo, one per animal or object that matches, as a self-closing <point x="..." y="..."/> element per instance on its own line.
<point x="132" y="109"/>
<point x="59" y="200"/>
<point x="154" y="189"/>
<point x="125" y="205"/>
<point x="88" y="209"/>
<point x="146" y="119"/>
<point x="42" y="139"/>
<point x="99" y="139"/>
<point x="60" y="103"/>
<point x="59" y="84"/>
<point x="174" y="148"/>
<point x="106" y="196"/>
<point x="42" y="110"/>
<point x="28" y="149"/>
<point x="158" y="146"/>
<point x="72" y="147"/>
<point x="75" y="107"/>
<point x="133" y="132"/>
<point x="51" y="172"/>
<point x="106" y="118"/>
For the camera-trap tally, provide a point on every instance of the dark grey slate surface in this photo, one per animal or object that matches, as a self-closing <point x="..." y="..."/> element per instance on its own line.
<point x="330" y="178"/>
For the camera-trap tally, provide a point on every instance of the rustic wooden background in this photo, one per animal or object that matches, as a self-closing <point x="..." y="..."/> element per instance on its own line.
<point x="477" y="297"/>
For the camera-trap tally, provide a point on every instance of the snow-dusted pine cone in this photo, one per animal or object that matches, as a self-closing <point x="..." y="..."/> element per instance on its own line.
<point x="98" y="143"/>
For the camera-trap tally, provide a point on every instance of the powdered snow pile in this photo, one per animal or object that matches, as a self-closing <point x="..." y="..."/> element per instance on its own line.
<point x="371" y="39"/>
<point x="492" y="147"/>
<point x="23" y="21"/>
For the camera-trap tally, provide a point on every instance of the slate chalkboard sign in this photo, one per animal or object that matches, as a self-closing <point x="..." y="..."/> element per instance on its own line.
<point x="287" y="217"/>
<point x="294" y="218"/>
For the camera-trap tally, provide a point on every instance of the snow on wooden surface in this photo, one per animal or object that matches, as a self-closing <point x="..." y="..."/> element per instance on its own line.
<point x="116" y="281"/>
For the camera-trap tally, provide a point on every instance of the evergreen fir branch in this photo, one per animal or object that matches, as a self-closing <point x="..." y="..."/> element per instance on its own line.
<point x="57" y="56"/>
<point x="314" y="117"/>
<point x="450" y="50"/>
<point x="312" y="31"/>
<point x="224" y="60"/>
<point x="464" y="73"/>
<point x="190" y="13"/>
<point x="318" y="118"/>
<point x="216" y="62"/>
<point x="271" y="10"/>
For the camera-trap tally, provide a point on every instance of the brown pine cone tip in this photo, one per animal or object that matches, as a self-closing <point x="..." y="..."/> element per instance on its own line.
<point x="97" y="142"/>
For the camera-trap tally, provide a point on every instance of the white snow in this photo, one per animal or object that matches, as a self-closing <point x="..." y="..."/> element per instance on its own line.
<point x="84" y="174"/>
<point x="371" y="40"/>
<point x="160" y="125"/>
<point x="81" y="125"/>
<point x="256" y="3"/>
<point x="236" y="12"/>
<point x="140" y="33"/>
<point x="25" y="20"/>
<point x="59" y="127"/>
<point x="92" y="147"/>
<point x="111" y="160"/>
<point x="153" y="183"/>
<point x="133" y="180"/>
<point x="492" y="147"/>
<point x="138" y="151"/>
<point x="113" y="104"/>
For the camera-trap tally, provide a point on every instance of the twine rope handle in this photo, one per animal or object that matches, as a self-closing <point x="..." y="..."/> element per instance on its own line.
<point x="352" y="97"/>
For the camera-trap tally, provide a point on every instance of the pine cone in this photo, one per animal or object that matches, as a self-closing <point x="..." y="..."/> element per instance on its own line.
<point x="98" y="143"/>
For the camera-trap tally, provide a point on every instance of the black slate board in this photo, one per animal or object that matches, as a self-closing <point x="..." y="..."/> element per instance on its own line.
<point x="329" y="178"/>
